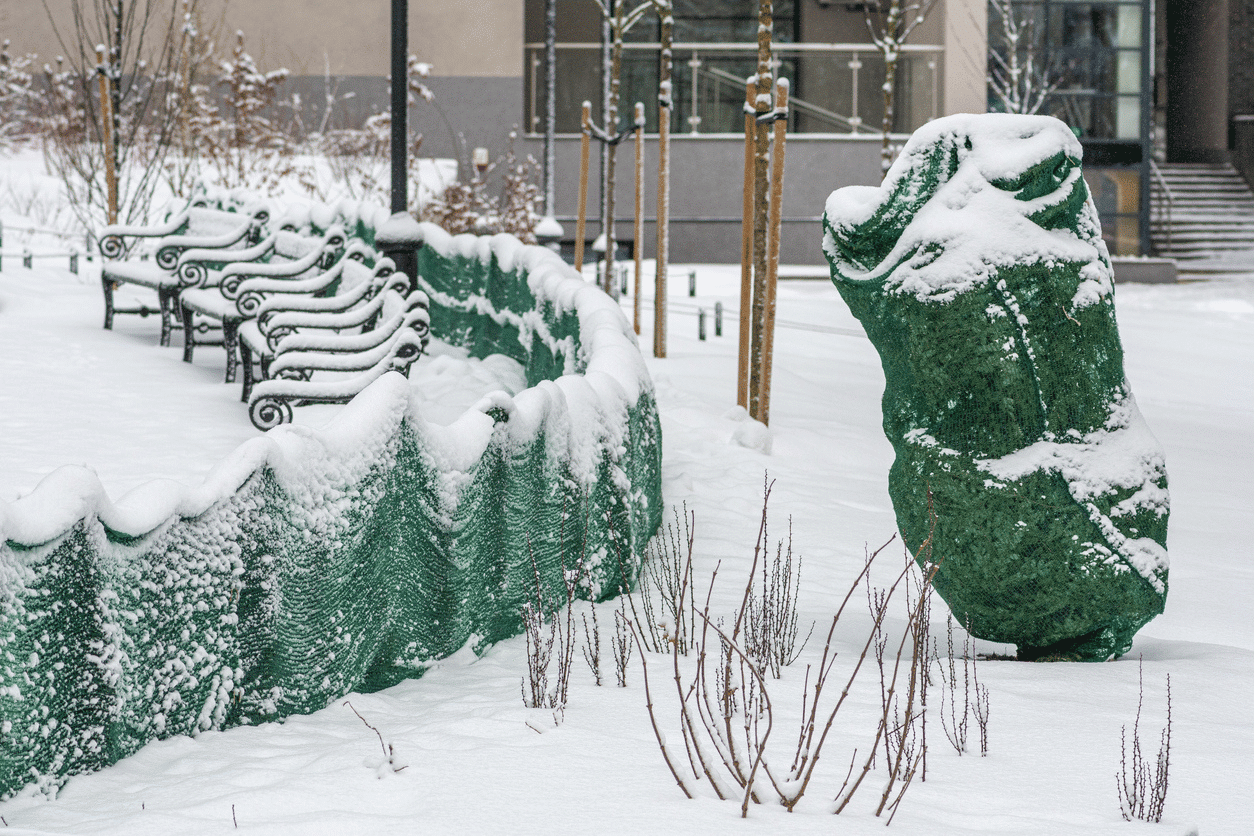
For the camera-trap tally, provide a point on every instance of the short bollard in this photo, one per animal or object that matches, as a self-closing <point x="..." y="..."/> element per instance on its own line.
<point x="74" y="263"/>
<point x="701" y="323"/>
<point x="622" y="278"/>
<point x="718" y="319"/>
<point x="26" y="259"/>
<point x="692" y="282"/>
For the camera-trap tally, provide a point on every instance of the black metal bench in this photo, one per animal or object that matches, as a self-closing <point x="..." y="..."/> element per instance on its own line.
<point x="230" y="295"/>
<point x="148" y="256"/>
<point x="355" y="307"/>
<point x="347" y="363"/>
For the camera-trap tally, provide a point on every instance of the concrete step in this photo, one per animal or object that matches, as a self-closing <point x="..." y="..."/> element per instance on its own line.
<point x="1211" y="213"/>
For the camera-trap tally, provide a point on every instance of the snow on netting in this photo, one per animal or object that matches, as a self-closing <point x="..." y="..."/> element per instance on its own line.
<point x="979" y="273"/>
<point x="314" y="563"/>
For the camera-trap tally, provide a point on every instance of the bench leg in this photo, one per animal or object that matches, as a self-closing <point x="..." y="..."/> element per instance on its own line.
<point x="246" y="361"/>
<point x="168" y="299"/>
<point x="230" y="341"/>
<point x="109" y="287"/>
<point x="189" y="334"/>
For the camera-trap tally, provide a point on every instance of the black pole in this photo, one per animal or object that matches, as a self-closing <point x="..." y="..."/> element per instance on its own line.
<point x="400" y="104"/>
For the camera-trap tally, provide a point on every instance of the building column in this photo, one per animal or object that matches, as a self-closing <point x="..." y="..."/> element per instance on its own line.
<point x="1197" y="81"/>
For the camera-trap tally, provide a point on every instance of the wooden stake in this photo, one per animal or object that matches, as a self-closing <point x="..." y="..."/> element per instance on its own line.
<point x="106" y="132"/>
<point x="585" y="123"/>
<point x="772" y="275"/>
<point x="638" y="232"/>
<point x="746" y="256"/>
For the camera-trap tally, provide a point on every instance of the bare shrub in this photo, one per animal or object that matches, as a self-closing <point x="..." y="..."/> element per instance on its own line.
<point x="549" y="627"/>
<point x="390" y="759"/>
<point x="470" y="207"/>
<point x="661" y="616"/>
<point x="144" y="41"/>
<point x="1140" y="786"/>
<point x="974" y="700"/>
<point x="592" y="644"/>
<point x="622" y="645"/>
<point x="17" y="98"/>
<point x="771" y="626"/>
<point x="726" y="712"/>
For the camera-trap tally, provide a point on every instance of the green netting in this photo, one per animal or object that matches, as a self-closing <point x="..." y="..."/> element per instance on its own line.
<point x="979" y="273"/>
<point x="312" y="563"/>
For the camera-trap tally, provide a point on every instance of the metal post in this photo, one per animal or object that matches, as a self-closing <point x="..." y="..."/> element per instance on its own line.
<point x="701" y="324"/>
<point x="718" y="319"/>
<point x="26" y="259"/>
<point x="692" y="282"/>
<point x="400" y="105"/>
<point x="74" y="263"/>
<point x="535" y="117"/>
<point x="694" y="118"/>
<point x="854" y="120"/>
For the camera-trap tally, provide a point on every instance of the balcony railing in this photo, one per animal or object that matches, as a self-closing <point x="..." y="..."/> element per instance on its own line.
<point x="836" y="88"/>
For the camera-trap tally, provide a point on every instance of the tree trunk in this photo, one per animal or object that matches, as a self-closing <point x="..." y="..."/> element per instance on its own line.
<point x="663" y="187"/>
<point x="550" y="106"/>
<point x="761" y="201"/>
<point x="746" y="254"/>
<point x="890" y="83"/>
<point x="772" y="278"/>
<point x="611" y="131"/>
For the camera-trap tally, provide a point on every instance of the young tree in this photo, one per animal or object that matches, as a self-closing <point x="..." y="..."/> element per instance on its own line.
<point x="620" y="20"/>
<point x="1017" y="75"/>
<point x="764" y="82"/>
<point x="143" y="42"/>
<point x="666" y="14"/>
<point x="891" y="22"/>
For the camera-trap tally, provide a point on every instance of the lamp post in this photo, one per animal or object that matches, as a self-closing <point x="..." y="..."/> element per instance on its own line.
<point x="399" y="238"/>
<point x="400" y="104"/>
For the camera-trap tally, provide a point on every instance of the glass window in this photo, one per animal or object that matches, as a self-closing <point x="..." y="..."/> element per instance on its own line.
<point x="1092" y="51"/>
<point x="1117" y="196"/>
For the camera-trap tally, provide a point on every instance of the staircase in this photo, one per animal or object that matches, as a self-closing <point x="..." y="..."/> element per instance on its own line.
<point x="1203" y="216"/>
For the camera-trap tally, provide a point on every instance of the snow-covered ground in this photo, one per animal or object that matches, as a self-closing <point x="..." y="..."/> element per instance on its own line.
<point x="71" y="393"/>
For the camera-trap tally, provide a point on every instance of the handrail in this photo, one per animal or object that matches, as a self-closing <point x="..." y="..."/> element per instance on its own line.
<point x="1162" y="181"/>
<point x="699" y="59"/>
<point x="747" y="46"/>
<point x="794" y="102"/>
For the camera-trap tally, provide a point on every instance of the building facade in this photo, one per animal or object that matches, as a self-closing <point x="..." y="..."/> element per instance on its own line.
<point x="1135" y="79"/>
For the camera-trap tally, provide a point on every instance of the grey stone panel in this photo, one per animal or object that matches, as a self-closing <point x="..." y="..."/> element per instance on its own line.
<point x="707" y="178"/>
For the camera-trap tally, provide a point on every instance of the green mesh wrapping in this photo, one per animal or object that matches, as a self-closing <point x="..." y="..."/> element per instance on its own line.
<point x="314" y="563"/>
<point x="979" y="274"/>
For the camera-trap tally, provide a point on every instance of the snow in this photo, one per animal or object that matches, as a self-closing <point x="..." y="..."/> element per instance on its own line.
<point x="971" y="225"/>
<point x="130" y="411"/>
<point x="548" y="227"/>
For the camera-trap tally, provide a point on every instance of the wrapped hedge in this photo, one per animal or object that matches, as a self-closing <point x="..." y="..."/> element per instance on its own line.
<point x="315" y="563"/>
<point x="980" y="275"/>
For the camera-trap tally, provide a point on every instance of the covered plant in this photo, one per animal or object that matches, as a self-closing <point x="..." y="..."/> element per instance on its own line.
<point x="979" y="273"/>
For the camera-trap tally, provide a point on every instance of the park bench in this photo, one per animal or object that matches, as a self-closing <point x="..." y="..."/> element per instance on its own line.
<point x="148" y="256"/>
<point x="355" y="306"/>
<point x="345" y="363"/>
<point x="227" y="294"/>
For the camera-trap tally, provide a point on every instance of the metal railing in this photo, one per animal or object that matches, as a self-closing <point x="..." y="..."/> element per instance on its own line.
<point x="836" y="88"/>
<point x="1158" y="204"/>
